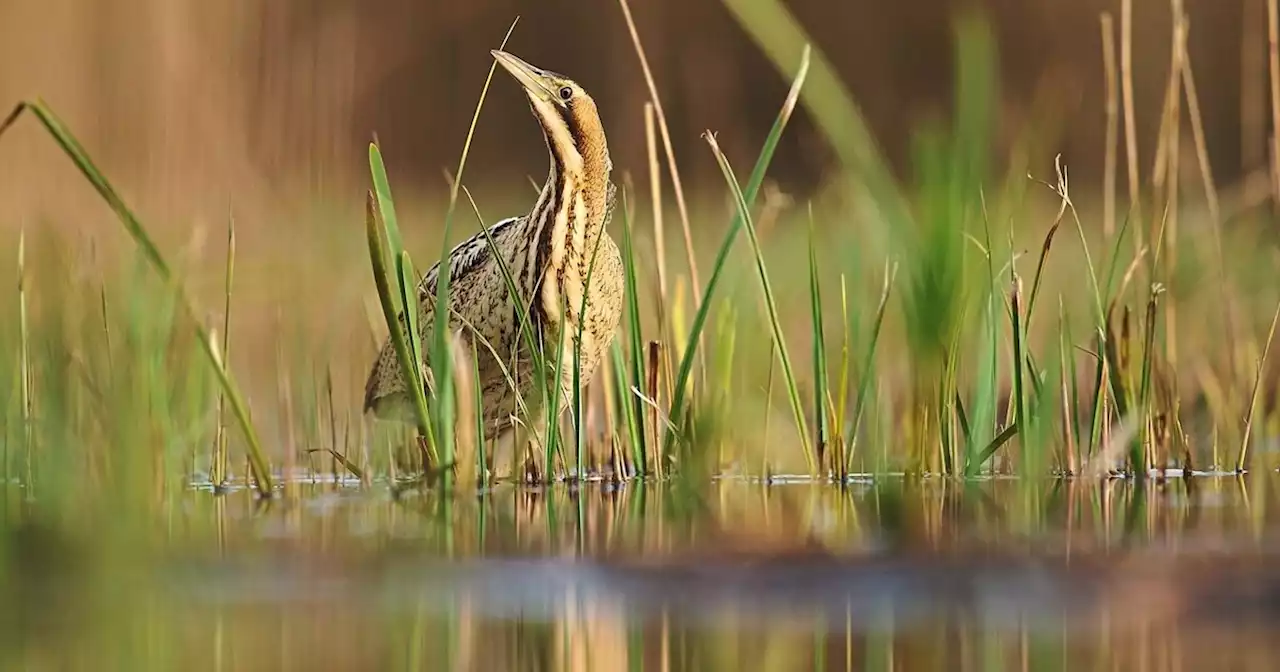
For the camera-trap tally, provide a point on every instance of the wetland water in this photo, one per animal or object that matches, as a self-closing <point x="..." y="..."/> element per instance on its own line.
<point x="882" y="574"/>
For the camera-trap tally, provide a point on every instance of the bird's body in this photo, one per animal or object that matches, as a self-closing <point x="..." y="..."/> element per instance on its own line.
<point x="550" y="254"/>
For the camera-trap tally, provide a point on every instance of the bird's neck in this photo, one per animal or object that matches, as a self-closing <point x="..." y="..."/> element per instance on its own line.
<point x="569" y="219"/>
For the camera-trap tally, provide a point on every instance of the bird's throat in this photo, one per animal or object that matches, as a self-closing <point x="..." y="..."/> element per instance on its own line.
<point x="575" y="209"/>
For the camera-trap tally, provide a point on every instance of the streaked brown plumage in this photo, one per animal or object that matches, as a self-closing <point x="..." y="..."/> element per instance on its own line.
<point x="548" y="254"/>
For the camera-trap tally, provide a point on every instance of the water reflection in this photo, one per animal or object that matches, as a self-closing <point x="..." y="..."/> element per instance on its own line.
<point x="887" y="574"/>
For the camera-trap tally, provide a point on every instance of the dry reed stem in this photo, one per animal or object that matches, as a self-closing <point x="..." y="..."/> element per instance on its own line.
<point x="676" y="186"/>
<point x="1211" y="202"/>
<point x="1202" y="151"/>
<point x="1113" y="123"/>
<point x="1169" y="110"/>
<point x="659" y="242"/>
<point x="218" y="470"/>
<point x="655" y="195"/>
<point x="614" y="447"/>
<point x="1253" y="83"/>
<point x="1171" y="140"/>
<point x="465" y="439"/>
<point x="1130" y="125"/>
<point x="1257" y="388"/>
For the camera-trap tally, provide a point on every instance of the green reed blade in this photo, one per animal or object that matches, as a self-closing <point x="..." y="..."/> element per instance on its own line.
<point x="819" y="355"/>
<point x="866" y="366"/>
<point x="1039" y="274"/>
<point x="386" y="205"/>
<point x="1019" y="354"/>
<point x="626" y="409"/>
<point x="399" y="339"/>
<point x="756" y="179"/>
<point x="408" y="298"/>
<point x="24" y="367"/>
<point x="65" y="139"/>
<point x="634" y="331"/>
<point x="771" y="305"/>
<point x="1137" y="454"/>
<point x="580" y="437"/>
<point x="343" y="460"/>
<point x="991" y="448"/>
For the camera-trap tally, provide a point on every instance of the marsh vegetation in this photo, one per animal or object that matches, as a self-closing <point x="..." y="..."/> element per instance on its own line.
<point x="1000" y="411"/>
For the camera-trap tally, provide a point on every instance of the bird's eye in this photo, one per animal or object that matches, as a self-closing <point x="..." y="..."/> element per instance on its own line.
<point x="566" y="93"/>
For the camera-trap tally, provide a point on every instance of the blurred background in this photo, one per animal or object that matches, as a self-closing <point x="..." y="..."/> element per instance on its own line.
<point x="194" y="106"/>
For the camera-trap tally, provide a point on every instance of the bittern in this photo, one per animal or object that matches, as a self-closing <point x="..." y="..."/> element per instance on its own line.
<point x="554" y="255"/>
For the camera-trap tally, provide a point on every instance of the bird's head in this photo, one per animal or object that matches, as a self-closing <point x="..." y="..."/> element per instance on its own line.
<point x="568" y="115"/>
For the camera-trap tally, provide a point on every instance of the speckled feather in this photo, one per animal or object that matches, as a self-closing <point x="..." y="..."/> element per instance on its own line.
<point x="549" y="255"/>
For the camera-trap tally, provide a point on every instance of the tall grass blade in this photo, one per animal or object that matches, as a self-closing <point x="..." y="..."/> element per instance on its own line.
<point x="24" y="363"/>
<point x="636" y="342"/>
<point x="63" y="136"/>
<point x="779" y="35"/>
<point x="867" y="365"/>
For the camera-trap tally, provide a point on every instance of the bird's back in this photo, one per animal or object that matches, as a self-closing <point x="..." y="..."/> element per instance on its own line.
<point x="479" y="305"/>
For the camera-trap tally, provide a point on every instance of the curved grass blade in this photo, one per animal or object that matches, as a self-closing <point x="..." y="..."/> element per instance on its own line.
<point x="440" y="360"/>
<point x="868" y="362"/>
<point x="346" y="462"/>
<point x="749" y="194"/>
<point x="793" y="392"/>
<point x="258" y="464"/>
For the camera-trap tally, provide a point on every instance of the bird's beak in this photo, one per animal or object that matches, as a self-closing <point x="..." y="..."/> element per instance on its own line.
<point x="534" y="80"/>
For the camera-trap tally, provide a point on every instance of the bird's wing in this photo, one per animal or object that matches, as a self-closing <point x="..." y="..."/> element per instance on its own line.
<point x="463" y="258"/>
<point x="386" y="382"/>
<point x="611" y="197"/>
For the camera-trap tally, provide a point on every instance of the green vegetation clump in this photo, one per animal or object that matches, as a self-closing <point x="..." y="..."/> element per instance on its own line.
<point x="951" y="324"/>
